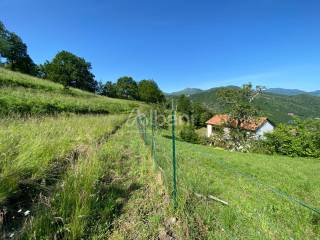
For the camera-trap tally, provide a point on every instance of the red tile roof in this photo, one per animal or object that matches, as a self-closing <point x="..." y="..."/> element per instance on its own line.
<point x="251" y="125"/>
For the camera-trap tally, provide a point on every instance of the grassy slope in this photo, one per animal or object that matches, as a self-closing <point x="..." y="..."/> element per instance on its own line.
<point x="60" y="168"/>
<point x="28" y="148"/>
<point x="23" y="94"/>
<point x="109" y="193"/>
<point x="276" y="107"/>
<point x="244" y="180"/>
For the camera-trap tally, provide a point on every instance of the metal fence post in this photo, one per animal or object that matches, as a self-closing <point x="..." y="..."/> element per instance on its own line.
<point x="174" y="163"/>
<point x="152" y="142"/>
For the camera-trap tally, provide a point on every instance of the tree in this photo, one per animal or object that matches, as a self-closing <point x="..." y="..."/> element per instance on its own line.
<point x="99" y="88"/>
<point x="149" y="92"/>
<point x="4" y="44"/>
<point x="71" y="70"/>
<point x="239" y="102"/>
<point x="184" y="105"/>
<point x="127" y="88"/>
<point x="14" y="50"/>
<point x="200" y="115"/>
<point x="110" y="89"/>
<point x="42" y="70"/>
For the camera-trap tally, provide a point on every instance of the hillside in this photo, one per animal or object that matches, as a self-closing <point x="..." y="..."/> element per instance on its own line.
<point x="316" y="93"/>
<point x="67" y="169"/>
<point x="26" y="95"/>
<point x="71" y="174"/>
<point x="283" y="91"/>
<point x="274" y="106"/>
<point x="187" y="91"/>
<point x="291" y="92"/>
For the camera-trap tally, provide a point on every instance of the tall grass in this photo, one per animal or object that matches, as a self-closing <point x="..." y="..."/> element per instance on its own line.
<point x="27" y="148"/>
<point x="25" y="95"/>
<point x="10" y="79"/>
<point x="93" y="192"/>
<point x="33" y="102"/>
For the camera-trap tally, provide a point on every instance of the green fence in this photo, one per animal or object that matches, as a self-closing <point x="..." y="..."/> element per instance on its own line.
<point x="165" y="160"/>
<point x="164" y="156"/>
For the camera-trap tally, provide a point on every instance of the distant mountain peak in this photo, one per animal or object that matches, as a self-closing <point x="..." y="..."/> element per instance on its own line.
<point x="279" y="91"/>
<point x="291" y="92"/>
<point x="186" y="91"/>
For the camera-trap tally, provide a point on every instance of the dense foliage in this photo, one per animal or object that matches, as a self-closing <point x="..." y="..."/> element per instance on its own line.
<point x="188" y="134"/>
<point x="150" y="92"/>
<point x="274" y="106"/>
<point x="302" y="138"/>
<point x="193" y="112"/>
<point x="109" y="89"/>
<point x="71" y="70"/>
<point x="239" y="102"/>
<point x="127" y="88"/>
<point x="14" y="50"/>
<point x="184" y="105"/>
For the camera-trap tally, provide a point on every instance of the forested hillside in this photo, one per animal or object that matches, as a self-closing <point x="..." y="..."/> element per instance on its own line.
<point x="278" y="108"/>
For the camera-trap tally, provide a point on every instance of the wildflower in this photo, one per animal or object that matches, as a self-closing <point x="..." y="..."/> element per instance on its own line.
<point x="26" y="213"/>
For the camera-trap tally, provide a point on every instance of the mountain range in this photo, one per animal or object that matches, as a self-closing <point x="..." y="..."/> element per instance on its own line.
<point x="279" y="105"/>
<point x="280" y="91"/>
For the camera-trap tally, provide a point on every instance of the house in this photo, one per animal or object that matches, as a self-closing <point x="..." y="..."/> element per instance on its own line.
<point x="258" y="126"/>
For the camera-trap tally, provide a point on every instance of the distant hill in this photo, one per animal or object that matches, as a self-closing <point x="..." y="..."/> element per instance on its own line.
<point x="187" y="91"/>
<point x="291" y="92"/>
<point x="315" y="93"/>
<point x="277" y="107"/>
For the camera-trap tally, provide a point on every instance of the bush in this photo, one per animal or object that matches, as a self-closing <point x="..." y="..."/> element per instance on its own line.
<point x="188" y="134"/>
<point x="235" y="140"/>
<point x="300" y="139"/>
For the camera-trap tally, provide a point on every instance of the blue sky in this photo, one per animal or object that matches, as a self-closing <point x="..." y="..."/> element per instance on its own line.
<point x="178" y="43"/>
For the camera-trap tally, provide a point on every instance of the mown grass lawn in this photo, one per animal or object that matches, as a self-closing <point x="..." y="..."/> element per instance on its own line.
<point x="250" y="183"/>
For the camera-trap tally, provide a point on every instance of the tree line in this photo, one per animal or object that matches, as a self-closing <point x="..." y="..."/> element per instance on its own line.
<point x="72" y="71"/>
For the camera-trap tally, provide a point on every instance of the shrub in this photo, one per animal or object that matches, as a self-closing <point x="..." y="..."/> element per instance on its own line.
<point x="300" y="139"/>
<point x="189" y="134"/>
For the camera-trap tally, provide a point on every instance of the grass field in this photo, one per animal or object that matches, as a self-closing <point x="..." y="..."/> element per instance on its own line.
<point x="107" y="181"/>
<point x="255" y="186"/>
<point x="25" y="95"/>
<point x="28" y="148"/>
<point x="67" y="172"/>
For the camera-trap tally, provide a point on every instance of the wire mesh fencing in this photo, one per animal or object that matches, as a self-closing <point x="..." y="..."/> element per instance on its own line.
<point x="190" y="180"/>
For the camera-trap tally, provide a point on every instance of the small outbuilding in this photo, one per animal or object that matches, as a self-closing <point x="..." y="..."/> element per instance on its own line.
<point x="258" y="126"/>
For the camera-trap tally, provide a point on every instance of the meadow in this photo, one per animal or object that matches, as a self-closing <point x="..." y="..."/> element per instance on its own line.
<point x="67" y="169"/>
<point x="265" y="194"/>
<point x="110" y="184"/>
<point x="24" y="95"/>
<point x="73" y="165"/>
<point x="29" y="147"/>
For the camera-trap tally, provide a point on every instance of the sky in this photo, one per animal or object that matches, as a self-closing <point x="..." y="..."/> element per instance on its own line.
<point x="178" y="43"/>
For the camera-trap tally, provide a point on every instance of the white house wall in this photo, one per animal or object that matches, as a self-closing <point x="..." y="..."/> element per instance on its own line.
<point x="265" y="128"/>
<point x="209" y="130"/>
